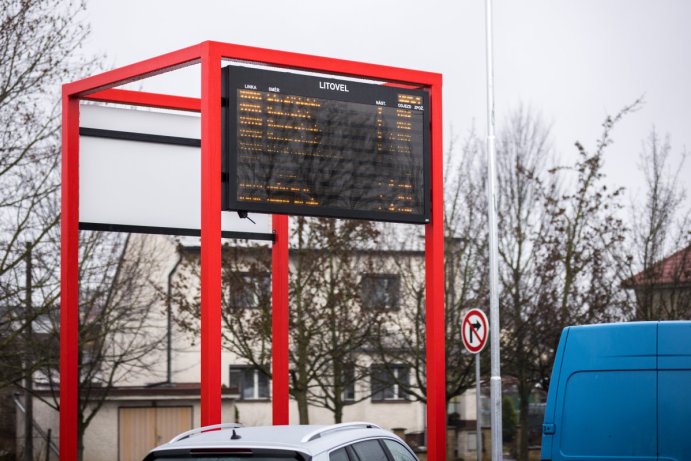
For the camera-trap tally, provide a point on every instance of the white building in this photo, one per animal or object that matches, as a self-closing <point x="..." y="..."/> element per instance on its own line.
<point x="147" y="409"/>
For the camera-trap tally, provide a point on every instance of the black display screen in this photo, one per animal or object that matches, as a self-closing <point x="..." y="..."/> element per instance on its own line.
<point x="306" y="145"/>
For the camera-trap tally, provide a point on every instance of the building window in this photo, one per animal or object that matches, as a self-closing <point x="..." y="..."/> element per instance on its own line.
<point x="250" y="290"/>
<point x="389" y="382"/>
<point x="380" y="291"/>
<point x="252" y="384"/>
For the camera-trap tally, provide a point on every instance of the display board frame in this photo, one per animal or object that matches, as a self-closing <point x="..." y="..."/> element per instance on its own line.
<point x="410" y="172"/>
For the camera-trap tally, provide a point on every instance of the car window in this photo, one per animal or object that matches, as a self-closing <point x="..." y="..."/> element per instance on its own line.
<point x="398" y="451"/>
<point x="338" y="455"/>
<point x="370" y="450"/>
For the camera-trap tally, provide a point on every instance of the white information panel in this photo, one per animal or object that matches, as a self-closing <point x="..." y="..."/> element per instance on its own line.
<point x="139" y="170"/>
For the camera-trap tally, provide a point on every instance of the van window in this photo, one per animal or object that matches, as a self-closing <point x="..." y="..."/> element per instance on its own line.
<point x="610" y="413"/>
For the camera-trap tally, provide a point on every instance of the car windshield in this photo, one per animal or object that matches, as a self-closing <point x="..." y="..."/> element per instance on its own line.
<point x="225" y="458"/>
<point x="227" y="454"/>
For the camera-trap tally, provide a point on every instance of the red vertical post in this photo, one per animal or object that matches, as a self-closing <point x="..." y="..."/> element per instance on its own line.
<point x="69" y="279"/>
<point x="434" y="307"/>
<point x="211" y="238"/>
<point x="279" y="320"/>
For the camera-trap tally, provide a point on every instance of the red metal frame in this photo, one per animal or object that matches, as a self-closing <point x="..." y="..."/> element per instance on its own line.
<point x="209" y="54"/>
<point x="69" y="278"/>
<point x="211" y="238"/>
<point x="434" y="295"/>
<point x="139" y="98"/>
<point x="280" y="320"/>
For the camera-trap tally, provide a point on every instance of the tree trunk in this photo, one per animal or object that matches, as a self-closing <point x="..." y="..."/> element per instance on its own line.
<point x="524" y="405"/>
<point x="338" y="391"/>
<point x="28" y="374"/>
<point x="81" y="428"/>
<point x="338" y="397"/>
<point x="303" y="410"/>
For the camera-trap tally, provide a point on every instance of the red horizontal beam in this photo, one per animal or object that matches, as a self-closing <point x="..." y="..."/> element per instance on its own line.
<point x="328" y="65"/>
<point x="137" y="71"/>
<point x="140" y="98"/>
<point x="192" y="55"/>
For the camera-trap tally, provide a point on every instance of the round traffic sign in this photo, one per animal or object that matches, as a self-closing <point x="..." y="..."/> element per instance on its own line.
<point x="474" y="330"/>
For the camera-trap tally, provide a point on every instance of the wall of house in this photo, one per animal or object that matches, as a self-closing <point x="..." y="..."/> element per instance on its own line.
<point x="163" y="254"/>
<point x="405" y="415"/>
<point x="665" y="303"/>
<point x="101" y="440"/>
<point x="48" y="419"/>
<point x="409" y="415"/>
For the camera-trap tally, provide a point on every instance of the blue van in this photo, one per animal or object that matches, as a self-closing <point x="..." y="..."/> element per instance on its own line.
<point x="620" y="392"/>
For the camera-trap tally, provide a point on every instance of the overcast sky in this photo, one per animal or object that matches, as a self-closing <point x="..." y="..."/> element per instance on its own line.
<point x="574" y="61"/>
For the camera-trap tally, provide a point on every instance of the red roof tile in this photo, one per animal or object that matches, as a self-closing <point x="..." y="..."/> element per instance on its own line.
<point x="673" y="270"/>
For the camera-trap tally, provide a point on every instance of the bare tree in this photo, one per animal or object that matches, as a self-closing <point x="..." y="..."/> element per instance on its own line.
<point x="523" y="156"/>
<point x="559" y="247"/>
<point x="119" y="326"/>
<point x="328" y="326"/>
<point x="466" y="254"/>
<point x="581" y="262"/>
<point x="401" y="339"/>
<point x="659" y="227"/>
<point x="341" y="312"/>
<point x="39" y="50"/>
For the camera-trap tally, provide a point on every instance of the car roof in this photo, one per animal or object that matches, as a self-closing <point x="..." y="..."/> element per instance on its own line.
<point x="309" y="440"/>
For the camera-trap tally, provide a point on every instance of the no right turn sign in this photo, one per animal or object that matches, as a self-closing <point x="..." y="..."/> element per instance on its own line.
<point x="475" y="330"/>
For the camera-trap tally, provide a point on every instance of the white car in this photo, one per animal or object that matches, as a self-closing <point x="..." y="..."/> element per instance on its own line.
<point x="233" y="442"/>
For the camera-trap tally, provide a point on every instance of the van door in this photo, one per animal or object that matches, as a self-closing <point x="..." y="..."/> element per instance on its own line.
<point x="609" y="415"/>
<point x="548" y="426"/>
<point x="605" y="402"/>
<point x="674" y="391"/>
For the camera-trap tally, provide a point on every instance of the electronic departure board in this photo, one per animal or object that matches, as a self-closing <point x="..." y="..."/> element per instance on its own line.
<point x="306" y="145"/>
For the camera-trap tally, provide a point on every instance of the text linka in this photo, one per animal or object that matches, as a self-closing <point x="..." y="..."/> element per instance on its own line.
<point x="334" y="86"/>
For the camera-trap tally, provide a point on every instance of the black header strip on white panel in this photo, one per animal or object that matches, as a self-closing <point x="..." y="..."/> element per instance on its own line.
<point x="140" y="137"/>
<point x="171" y="231"/>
